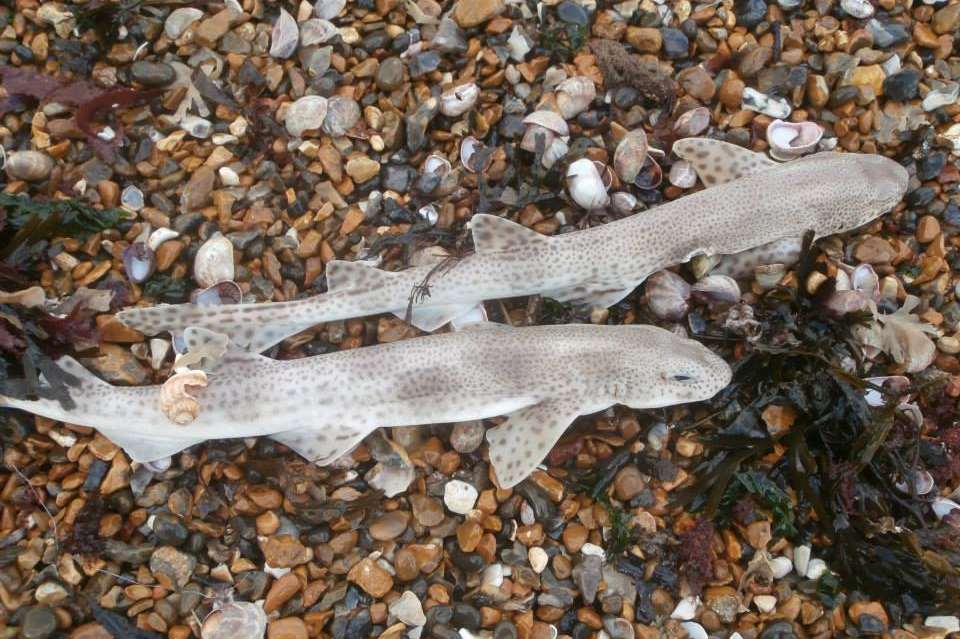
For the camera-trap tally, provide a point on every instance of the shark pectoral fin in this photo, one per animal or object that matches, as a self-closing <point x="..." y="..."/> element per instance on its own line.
<point x="429" y="318"/>
<point x="205" y="348"/>
<point x="587" y="295"/>
<point x="321" y="445"/>
<point x="717" y="162"/>
<point x="343" y="275"/>
<point x="518" y="445"/>
<point x="142" y="447"/>
<point x="741" y="265"/>
<point x="492" y="233"/>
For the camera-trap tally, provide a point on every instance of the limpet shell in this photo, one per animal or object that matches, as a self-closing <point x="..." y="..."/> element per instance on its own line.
<point x="176" y="402"/>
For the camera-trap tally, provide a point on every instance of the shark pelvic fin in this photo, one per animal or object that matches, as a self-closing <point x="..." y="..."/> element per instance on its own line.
<point x="492" y="234"/>
<point x="322" y="445"/>
<point x="718" y="162"/>
<point x="518" y="445"/>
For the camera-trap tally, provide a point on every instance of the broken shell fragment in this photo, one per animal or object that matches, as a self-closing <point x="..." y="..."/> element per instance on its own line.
<point x="139" y="262"/>
<point x="623" y="202"/>
<point x="586" y="185"/>
<point x="236" y="620"/>
<point x="667" y="295"/>
<point x="220" y="294"/>
<point x="693" y="122"/>
<point x="474" y="155"/>
<point x="437" y="165"/>
<point x="682" y="174"/>
<point x="542" y="128"/>
<point x="574" y="95"/>
<point x="716" y="289"/>
<point x="556" y="151"/>
<point x="789" y="140"/>
<point x="631" y="155"/>
<point x="703" y="264"/>
<point x="922" y="483"/>
<point x="176" y="402"/>
<point x="214" y="261"/>
<point x="651" y="175"/>
<point x="459" y="100"/>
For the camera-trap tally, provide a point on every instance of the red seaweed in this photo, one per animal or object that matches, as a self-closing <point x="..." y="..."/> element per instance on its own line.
<point x="118" y="98"/>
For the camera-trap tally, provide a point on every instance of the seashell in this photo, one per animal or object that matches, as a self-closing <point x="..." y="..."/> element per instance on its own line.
<point x="693" y="122"/>
<point x="922" y="482"/>
<point x="214" y="261"/>
<point x="317" y="31"/>
<point x="328" y="9"/>
<point x="429" y="213"/>
<point x="686" y="609"/>
<point x="198" y="127"/>
<point x="305" y="114"/>
<point x="342" y="114"/>
<point x="789" y="140"/>
<point x="131" y="198"/>
<point x="605" y="173"/>
<point x="943" y="507"/>
<point x="703" y="264"/>
<point x="236" y="620"/>
<point x="816" y="569"/>
<point x="694" y="630"/>
<point x="574" y="96"/>
<point x="860" y="9"/>
<point x="716" y="289"/>
<point x="549" y="120"/>
<point x="459" y="100"/>
<point x="630" y="155"/>
<point x="474" y="155"/>
<point x="159" y="349"/>
<point x="160" y="236"/>
<point x="781" y="566"/>
<point x="801" y="559"/>
<point x="220" y="294"/>
<point x="864" y="279"/>
<point x="651" y="175"/>
<point x="139" y="262"/>
<point x="769" y="275"/>
<point x="546" y="125"/>
<point x="682" y="175"/>
<point x="892" y="384"/>
<point x="667" y="295"/>
<point x="556" y="151"/>
<point x="436" y="164"/>
<point x="586" y="185"/>
<point x="623" y="202"/>
<point x="176" y="402"/>
<point x="31" y="166"/>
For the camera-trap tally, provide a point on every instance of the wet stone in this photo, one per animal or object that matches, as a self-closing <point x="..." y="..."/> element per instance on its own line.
<point x="466" y="616"/>
<point x="38" y="623"/>
<point x="930" y="166"/>
<point x="778" y="630"/>
<point x="390" y="74"/>
<point x="152" y="74"/>
<point x="871" y="625"/>
<point x="587" y="577"/>
<point x="397" y="178"/>
<point x="887" y="34"/>
<point x="168" y="530"/>
<point x="750" y="13"/>
<point x="902" y="86"/>
<point x="675" y="43"/>
<point x="572" y="13"/>
<point x="424" y="63"/>
<point x="920" y="197"/>
<point x="177" y="567"/>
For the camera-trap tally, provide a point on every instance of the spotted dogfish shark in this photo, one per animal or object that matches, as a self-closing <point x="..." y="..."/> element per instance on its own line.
<point x="750" y="202"/>
<point x="541" y="378"/>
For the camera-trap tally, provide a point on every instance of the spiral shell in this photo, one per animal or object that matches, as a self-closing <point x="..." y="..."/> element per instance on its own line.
<point x="459" y="100"/>
<point x="176" y="402"/>
<point x="29" y="165"/>
<point x="214" y="261"/>
<point x="630" y="156"/>
<point x="574" y="95"/>
<point x="236" y="620"/>
<point x="789" y="140"/>
<point x="586" y="185"/>
<point x="667" y="294"/>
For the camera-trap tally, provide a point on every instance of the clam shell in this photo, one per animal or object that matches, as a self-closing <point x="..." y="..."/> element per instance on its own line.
<point x="473" y="154"/>
<point x="214" y="261"/>
<point x="922" y="482"/>
<point x="532" y="135"/>
<point x="623" y="202"/>
<point x="176" y="402"/>
<point x="716" y="289"/>
<point x="667" y="295"/>
<point x="549" y="120"/>
<point x="650" y="176"/>
<point x="436" y="164"/>
<point x="789" y="140"/>
<point x="459" y="100"/>
<point x="586" y="185"/>
<point x="693" y="122"/>
<point x="574" y="96"/>
<point x="630" y="155"/>
<point x="31" y="166"/>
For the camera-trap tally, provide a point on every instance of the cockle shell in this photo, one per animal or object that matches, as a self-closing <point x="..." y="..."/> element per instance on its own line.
<point x="574" y="95"/>
<point x="473" y="155"/>
<point x="436" y="164"/>
<point x="139" y="262"/>
<point x="630" y="156"/>
<point x="28" y="165"/>
<point x="667" y="294"/>
<point x="789" y="140"/>
<point x="214" y="261"/>
<point x="547" y="124"/>
<point x="236" y="620"/>
<point x="586" y="186"/>
<point x="459" y="100"/>
<point x="176" y="402"/>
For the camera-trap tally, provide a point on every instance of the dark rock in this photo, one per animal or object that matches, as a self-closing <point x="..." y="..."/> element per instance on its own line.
<point x="466" y="616"/>
<point x="871" y="625"/>
<point x="152" y="74"/>
<point x="675" y="44"/>
<point x="951" y="216"/>
<point x="441" y="614"/>
<point x="505" y="630"/>
<point x="397" y="178"/>
<point x="778" y="630"/>
<point x="887" y="34"/>
<point x="511" y="127"/>
<point x="119" y="551"/>
<point x="930" y="166"/>
<point x="38" y="623"/>
<point x="187" y="223"/>
<point x="423" y="63"/>
<point x="920" y="197"/>
<point x="750" y="13"/>
<point x="572" y="13"/>
<point x="243" y="239"/>
<point x="417" y="123"/>
<point x="586" y="575"/>
<point x="902" y="86"/>
<point x="625" y="97"/>
<point x="169" y="530"/>
<point x="390" y="74"/>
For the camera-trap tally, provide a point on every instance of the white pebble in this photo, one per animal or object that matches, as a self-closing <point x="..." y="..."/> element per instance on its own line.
<point x="408" y="609"/>
<point x="459" y="496"/>
<point x="950" y="623"/>
<point x="492" y="575"/>
<point x="593" y="549"/>
<point x="538" y="559"/>
<point x="686" y="609"/>
<point x="801" y="559"/>
<point x="694" y="630"/>
<point x="228" y="177"/>
<point x="781" y="567"/>
<point x="816" y="569"/>
<point x="765" y="603"/>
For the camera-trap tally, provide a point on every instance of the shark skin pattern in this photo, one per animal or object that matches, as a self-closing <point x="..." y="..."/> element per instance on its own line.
<point x="750" y="202"/>
<point x="541" y="377"/>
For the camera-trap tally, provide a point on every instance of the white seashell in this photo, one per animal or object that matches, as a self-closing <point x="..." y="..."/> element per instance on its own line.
<point x="816" y="569"/>
<point x="436" y="164"/>
<point x="236" y="620"/>
<point x="586" y="186"/>
<point x="943" y="507"/>
<point x="950" y="623"/>
<point x="574" y="96"/>
<point x="686" y="609"/>
<point x="892" y="384"/>
<point x="196" y="126"/>
<point x="459" y="100"/>
<point x="214" y="261"/>
<point x="518" y="44"/>
<point x="781" y="566"/>
<point x="556" y="151"/>
<point x="179" y="20"/>
<point x="159" y="349"/>
<point x="228" y="177"/>
<point x="667" y="294"/>
<point x="765" y="603"/>
<point x="549" y="120"/>
<point x="469" y="149"/>
<point x="538" y="559"/>
<point x="623" y="202"/>
<point x="131" y="198"/>
<point x="328" y="9"/>
<point x="694" y="630"/>
<point x="801" y="559"/>
<point x="860" y="9"/>
<point x="682" y="174"/>
<point x="703" y="264"/>
<point x="922" y="482"/>
<point x="769" y="275"/>
<point x="789" y="140"/>
<point x="630" y="156"/>
<point x="317" y="31"/>
<point x="717" y="289"/>
<point x="429" y="213"/>
<point x="28" y="165"/>
<point x="693" y="122"/>
<point x="176" y="402"/>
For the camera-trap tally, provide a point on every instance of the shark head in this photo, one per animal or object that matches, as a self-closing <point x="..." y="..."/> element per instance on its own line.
<point x="668" y="370"/>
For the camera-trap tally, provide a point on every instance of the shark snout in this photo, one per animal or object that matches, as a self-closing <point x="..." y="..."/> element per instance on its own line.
<point x="886" y="177"/>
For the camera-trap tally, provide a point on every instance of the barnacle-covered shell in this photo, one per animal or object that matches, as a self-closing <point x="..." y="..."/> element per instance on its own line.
<point x="236" y="620"/>
<point x="667" y="295"/>
<point x="789" y="140"/>
<point x="176" y="402"/>
<point x="214" y="261"/>
<point x="28" y="165"/>
<point x="586" y="186"/>
<point x="459" y="100"/>
<point x="717" y="289"/>
<point x="574" y="95"/>
<point x="630" y="156"/>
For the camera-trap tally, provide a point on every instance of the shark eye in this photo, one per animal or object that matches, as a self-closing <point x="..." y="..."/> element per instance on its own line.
<point x="680" y="378"/>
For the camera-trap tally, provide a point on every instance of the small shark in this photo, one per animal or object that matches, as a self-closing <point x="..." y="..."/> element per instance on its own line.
<point x="750" y="202"/>
<point x="541" y="377"/>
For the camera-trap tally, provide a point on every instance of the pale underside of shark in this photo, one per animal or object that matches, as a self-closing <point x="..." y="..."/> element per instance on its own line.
<point x="750" y="202"/>
<point x="542" y="378"/>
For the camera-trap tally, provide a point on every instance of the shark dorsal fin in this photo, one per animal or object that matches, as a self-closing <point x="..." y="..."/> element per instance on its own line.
<point x="492" y="233"/>
<point x="342" y="275"/>
<point x="718" y="162"/>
